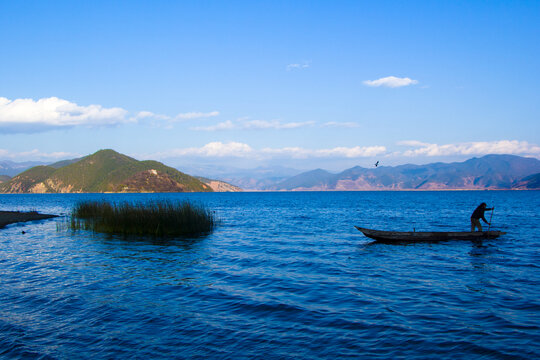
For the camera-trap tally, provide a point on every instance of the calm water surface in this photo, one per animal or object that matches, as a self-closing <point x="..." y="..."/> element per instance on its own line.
<point x="285" y="275"/>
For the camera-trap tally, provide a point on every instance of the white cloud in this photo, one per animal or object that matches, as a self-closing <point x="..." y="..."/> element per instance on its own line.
<point x="147" y="114"/>
<point x="241" y="150"/>
<point x="298" y="66"/>
<point x="28" y="115"/>
<point x="213" y="149"/>
<point x="274" y="124"/>
<point x="244" y="124"/>
<point x="196" y="115"/>
<point x="167" y="121"/>
<point x="471" y="148"/>
<point x="245" y="151"/>
<point x="225" y="125"/>
<point x="391" y="81"/>
<point x="412" y="143"/>
<point x="35" y="155"/>
<point x="337" y="152"/>
<point x="354" y="152"/>
<point x="349" y="124"/>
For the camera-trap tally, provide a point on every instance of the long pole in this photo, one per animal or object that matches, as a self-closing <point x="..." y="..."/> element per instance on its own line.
<point x="490" y="217"/>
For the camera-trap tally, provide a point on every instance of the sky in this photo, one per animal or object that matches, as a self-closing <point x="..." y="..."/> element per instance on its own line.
<point x="246" y="84"/>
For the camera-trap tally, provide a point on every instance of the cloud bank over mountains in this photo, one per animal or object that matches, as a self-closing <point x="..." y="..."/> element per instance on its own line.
<point x="233" y="149"/>
<point x="512" y="147"/>
<point x="242" y="150"/>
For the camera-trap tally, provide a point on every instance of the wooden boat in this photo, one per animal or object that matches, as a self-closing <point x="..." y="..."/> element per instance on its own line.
<point x="403" y="236"/>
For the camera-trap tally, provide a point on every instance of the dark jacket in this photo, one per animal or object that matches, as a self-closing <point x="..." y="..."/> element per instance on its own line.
<point x="478" y="213"/>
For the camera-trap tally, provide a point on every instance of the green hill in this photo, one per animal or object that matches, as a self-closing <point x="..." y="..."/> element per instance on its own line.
<point x="104" y="171"/>
<point x="27" y="180"/>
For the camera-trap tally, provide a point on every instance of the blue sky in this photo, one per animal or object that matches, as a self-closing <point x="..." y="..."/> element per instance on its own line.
<point x="304" y="84"/>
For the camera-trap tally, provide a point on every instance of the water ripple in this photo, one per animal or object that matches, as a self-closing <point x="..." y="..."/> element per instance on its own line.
<point x="284" y="276"/>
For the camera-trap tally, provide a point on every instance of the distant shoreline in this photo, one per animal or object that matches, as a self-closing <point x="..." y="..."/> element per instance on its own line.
<point x="268" y="191"/>
<point x="381" y="190"/>
<point x="11" y="217"/>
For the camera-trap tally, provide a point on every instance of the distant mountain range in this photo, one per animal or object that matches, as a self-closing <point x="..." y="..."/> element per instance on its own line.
<point x="11" y="168"/>
<point x="109" y="171"/>
<point x="260" y="178"/>
<point x="104" y="171"/>
<point x="488" y="172"/>
<point x="528" y="183"/>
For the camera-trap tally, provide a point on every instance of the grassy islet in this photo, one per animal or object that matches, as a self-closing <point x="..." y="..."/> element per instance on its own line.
<point x="155" y="218"/>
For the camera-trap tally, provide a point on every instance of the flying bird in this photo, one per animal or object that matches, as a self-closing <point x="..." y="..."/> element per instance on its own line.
<point x="377" y="163"/>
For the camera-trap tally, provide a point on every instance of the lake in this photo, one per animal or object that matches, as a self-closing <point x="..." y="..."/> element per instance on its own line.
<point x="284" y="275"/>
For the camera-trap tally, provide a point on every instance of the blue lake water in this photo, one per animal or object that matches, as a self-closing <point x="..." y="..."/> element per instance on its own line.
<point x="284" y="275"/>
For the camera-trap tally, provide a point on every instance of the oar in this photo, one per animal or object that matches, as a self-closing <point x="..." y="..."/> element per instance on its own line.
<point x="490" y="217"/>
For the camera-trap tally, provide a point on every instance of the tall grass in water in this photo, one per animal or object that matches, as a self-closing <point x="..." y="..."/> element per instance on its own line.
<point x="157" y="218"/>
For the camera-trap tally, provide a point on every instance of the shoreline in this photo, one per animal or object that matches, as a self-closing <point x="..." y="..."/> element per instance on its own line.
<point x="11" y="217"/>
<point x="270" y="191"/>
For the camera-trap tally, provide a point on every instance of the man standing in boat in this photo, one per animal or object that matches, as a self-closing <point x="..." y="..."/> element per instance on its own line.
<point x="478" y="214"/>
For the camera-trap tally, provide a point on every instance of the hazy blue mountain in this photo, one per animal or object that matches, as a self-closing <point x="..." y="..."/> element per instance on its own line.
<point x="259" y="178"/>
<point x="12" y="168"/>
<point x="488" y="172"/>
<point x="531" y="182"/>
<point x="308" y="180"/>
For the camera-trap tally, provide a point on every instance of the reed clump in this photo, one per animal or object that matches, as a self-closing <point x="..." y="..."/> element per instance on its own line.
<point x="157" y="218"/>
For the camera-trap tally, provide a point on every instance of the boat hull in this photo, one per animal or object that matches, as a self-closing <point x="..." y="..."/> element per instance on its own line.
<point x="403" y="236"/>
